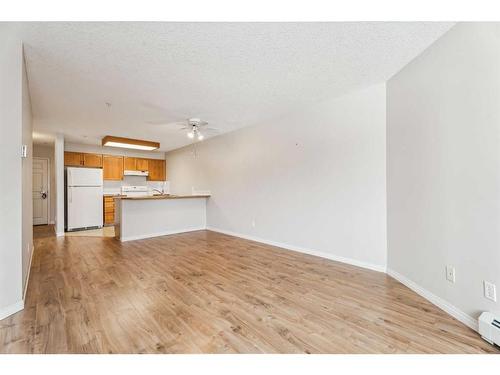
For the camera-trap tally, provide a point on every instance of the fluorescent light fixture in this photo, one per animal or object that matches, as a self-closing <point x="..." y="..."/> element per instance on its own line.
<point x="128" y="145"/>
<point x="135" y="144"/>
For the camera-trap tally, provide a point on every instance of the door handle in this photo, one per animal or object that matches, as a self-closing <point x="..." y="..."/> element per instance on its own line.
<point x="44" y="194"/>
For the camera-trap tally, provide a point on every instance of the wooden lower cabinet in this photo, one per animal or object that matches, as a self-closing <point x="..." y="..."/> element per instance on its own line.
<point x="109" y="210"/>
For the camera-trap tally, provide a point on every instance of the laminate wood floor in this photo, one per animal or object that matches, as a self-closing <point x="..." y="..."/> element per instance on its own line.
<point x="205" y="292"/>
<point x="41" y="231"/>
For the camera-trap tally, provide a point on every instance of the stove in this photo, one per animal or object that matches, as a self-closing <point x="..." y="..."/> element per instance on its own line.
<point x="136" y="191"/>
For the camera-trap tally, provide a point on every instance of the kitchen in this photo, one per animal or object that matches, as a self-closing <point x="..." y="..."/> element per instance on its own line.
<point x="112" y="189"/>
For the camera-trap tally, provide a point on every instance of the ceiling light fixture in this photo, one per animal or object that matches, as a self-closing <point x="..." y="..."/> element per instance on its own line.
<point x="200" y="136"/>
<point x="190" y="135"/>
<point x="135" y="144"/>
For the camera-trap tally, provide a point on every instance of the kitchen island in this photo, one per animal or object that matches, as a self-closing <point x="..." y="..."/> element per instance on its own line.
<point x="158" y="215"/>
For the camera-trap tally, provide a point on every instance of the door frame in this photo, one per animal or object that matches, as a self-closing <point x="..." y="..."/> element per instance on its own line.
<point x="49" y="192"/>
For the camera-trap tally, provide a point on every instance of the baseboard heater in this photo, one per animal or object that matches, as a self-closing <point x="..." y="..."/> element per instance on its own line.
<point x="489" y="328"/>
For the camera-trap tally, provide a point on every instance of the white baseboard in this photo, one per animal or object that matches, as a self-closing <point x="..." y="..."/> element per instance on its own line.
<point x="158" y="234"/>
<point x="455" y="312"/>
<point x="18" y="306"/>
<point x="27" y="280"/>
<point x="12" y="309"/>
<point x="354" y="262"/>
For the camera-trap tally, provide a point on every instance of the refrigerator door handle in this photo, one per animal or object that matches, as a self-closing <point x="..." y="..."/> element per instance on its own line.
<point x="70" y="190"/>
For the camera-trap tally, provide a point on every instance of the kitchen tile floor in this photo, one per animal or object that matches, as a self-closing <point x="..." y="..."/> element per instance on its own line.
<point x="103" y="232"/>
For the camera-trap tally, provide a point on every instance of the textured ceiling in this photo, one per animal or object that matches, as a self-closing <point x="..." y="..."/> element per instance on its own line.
<point x="230" y="74"/>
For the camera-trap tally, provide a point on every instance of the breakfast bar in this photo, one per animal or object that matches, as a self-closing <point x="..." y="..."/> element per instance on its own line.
<point x="158" y="215"/>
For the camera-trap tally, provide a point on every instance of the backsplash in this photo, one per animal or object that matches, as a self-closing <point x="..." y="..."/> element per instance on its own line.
<point x="114" y="187"/>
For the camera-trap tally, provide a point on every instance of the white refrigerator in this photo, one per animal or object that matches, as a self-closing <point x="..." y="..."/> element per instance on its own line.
<point x="83" y="198"/>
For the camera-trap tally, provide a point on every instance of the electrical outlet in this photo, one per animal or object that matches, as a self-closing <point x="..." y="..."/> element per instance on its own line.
<point x="490" y="291"/>
<point x="450" y="274"/>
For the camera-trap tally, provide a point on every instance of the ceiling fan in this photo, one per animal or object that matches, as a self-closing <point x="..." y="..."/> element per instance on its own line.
<point x="194" y="127"/>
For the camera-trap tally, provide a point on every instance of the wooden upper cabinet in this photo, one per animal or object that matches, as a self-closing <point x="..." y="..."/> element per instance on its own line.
<point x="157" y="170"/>
<point x="73" y="159"/>
<point x="82" y="159"/>
<point x="92" y="160"/>
<point x="112" y="167"/>
<point x="142" y="164"/>
<point x="129" y="164"/>
<point x="135" y="164"/>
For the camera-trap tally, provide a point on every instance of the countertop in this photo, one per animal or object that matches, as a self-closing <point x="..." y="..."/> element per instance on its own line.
<point x="160" y="196"/>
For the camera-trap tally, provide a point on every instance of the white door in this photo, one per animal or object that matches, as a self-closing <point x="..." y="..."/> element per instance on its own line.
<point x="40" y="191"/>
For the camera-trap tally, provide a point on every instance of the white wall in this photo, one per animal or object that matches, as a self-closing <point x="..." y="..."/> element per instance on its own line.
<point x="47" y="151"/>
<point x="11" y="119"/>
<point x="27" y="177"/>
<point x="443" y="167"/>
<point x="314" y="179"/>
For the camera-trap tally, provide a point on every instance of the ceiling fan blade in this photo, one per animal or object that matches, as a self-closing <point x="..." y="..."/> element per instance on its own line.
<point x="209" y="130"/>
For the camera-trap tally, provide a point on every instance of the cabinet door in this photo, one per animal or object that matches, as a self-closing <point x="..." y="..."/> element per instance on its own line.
<point x="141" y="164"/>
<point x="156" y="170"/>
<point x="73" y="159"/>
<point x="129" y="164"/>
<point x="92" y="160"/>
<point x="109" y="210"/>
<point x="112" y="167"/>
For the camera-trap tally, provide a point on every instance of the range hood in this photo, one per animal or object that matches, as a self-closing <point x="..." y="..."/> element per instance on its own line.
<point x="136" y="173"/>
